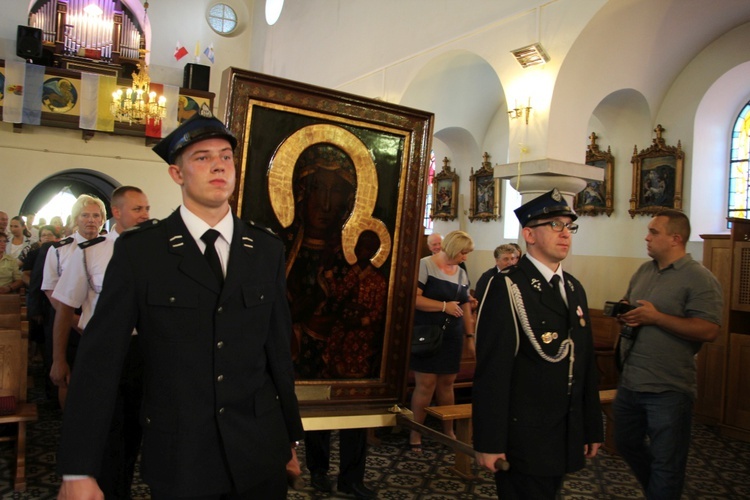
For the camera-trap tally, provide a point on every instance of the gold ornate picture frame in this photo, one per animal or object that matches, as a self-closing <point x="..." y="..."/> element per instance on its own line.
<point x="485" y="192"/>
<point x="341" y="180"/>
<point x="657" y="176"/>
<point x="445" y="194"/>
<point x="596" y="197"/>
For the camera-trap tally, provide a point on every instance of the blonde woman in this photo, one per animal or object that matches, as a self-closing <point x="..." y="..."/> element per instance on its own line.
<point x="442" y="294"/>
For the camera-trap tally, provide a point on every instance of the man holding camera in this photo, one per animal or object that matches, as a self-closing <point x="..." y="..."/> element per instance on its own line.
<point x="679" y="307"/>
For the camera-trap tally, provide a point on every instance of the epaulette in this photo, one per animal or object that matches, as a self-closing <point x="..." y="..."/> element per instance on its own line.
<point x="91" y="242"/>
<point x="508" y="270"/>
<point x="263" y="228"/>
<point x="62" y="243"/>
<point x="151" y="223"/>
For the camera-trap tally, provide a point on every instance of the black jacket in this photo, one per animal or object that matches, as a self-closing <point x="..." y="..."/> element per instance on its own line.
<point x="521" y="404"/>
<point x="219" y="383"/>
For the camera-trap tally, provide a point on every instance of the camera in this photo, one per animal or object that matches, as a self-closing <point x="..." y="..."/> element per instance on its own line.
<point x="614" y="309"/>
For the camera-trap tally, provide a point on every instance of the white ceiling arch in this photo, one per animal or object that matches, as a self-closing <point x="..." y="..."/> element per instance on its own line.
<point x="461" y="88"/>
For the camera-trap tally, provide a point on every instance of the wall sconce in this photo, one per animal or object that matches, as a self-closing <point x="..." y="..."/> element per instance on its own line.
<point x="519" y="112"/>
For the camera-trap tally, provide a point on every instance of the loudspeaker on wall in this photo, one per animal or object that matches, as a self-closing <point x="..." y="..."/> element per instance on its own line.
<point x="28" y="42"/>
<point x="196" y="77"/>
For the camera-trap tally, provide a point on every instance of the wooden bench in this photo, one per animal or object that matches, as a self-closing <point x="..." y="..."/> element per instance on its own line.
<point x="462" y="415"/>
<point x="606" y="398"/>
<point x="13" y="377"/>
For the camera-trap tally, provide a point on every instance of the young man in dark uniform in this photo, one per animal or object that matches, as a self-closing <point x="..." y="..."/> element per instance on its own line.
<point x="207" y="294"/>
<point x="535" y="397"/>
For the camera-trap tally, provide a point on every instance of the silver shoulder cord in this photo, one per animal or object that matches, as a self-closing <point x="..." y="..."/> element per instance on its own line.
<point x="59" y="267"/>
<point x="566" y="346"/>
<point x="88" y="274"/>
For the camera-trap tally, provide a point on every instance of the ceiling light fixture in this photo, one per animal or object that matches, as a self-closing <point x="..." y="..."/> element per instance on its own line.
<point x="531" y="55"/>
<point x="138" y="103"/>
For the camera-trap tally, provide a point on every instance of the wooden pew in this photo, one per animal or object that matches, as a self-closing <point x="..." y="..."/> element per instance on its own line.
<point x="606" y="398"/>
<point x="462" y="415"/>
<point x="10" y="311"/>
<point x="13" y="380"/>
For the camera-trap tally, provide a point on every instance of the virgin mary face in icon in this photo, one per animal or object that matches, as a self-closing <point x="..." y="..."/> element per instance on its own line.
<point x="326" y="193"/>
<point x="327" y="203"/>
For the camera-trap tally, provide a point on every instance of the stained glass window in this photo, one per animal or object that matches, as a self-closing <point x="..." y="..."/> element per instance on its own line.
<point x="739" y="174"/>
<point x="428" y="204"/>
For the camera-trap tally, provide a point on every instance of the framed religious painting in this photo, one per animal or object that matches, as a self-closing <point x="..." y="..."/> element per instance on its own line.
<point x="596" y="197"/>
<point x="445" y="193"/>
<point x="485" y="193"/>
<point x="657" y="177"/>
<point x="341" y="180"/>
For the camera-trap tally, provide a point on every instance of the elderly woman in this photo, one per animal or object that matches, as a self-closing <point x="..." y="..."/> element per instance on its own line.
<point x="10" y="274"/>
<point x="442" y="294"/>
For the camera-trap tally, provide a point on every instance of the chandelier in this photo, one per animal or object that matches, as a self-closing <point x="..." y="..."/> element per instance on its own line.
<point x="138" y="103"/>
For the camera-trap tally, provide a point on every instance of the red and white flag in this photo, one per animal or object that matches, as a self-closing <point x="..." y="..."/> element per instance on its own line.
<point x="180" y="51"/>
<point x="167" y="124"/>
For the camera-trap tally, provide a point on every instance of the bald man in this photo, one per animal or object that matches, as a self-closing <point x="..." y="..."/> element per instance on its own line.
<point x="435" y="243"/>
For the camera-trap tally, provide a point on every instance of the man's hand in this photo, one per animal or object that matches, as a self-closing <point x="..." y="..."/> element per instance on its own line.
<point x="60" y="373"/>
<point x="80" y="489"/>
<point x="590" y="450"/>
<point x="487" y="460"/>
<point x="644" y="314"/>
<point x="692" y="329"/>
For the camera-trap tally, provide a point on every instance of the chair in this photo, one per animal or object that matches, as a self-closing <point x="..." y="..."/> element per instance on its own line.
<point x="10" y="311"/>
<point x="13" y="380"/>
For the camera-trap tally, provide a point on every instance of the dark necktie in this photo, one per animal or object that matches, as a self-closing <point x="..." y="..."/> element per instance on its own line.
<point x="212" y="257"/>
<point x="555" y="282"/>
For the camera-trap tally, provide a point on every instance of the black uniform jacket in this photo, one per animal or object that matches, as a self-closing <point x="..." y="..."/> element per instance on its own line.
<point x="521" y="404"/>
<point x="219" y="402"/>
<point x="483" y="280"/>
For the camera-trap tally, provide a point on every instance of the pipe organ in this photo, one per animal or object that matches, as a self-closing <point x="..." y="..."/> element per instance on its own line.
<point x="96" y="29"/>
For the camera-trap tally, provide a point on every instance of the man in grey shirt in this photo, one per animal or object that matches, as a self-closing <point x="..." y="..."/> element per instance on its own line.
<point x="679" y="307"/>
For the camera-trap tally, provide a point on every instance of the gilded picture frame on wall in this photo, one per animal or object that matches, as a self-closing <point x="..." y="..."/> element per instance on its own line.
<point x="485" y="193"/>
<point x="657" y="176"/>
<point x="340" y="179"/>
<point x="445" y="194"/>
<point x="597" y="197"/>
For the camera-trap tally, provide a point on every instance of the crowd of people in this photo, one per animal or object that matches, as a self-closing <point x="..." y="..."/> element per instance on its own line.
<point x="180" y="340"/>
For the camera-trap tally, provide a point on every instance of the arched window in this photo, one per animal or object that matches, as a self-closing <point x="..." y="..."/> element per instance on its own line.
<point x="64" y="184"/>
<point x="739" y="173"/>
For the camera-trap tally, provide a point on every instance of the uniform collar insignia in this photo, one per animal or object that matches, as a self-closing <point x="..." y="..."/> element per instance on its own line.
<point x="536" y="284"/>
<point x="176" y="241"/>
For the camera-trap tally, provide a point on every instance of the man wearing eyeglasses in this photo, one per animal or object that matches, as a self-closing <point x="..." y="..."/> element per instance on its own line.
<point x="535" y="397"/>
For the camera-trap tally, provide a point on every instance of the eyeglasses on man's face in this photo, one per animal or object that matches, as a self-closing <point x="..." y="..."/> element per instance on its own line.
<point x="558" y="226"/>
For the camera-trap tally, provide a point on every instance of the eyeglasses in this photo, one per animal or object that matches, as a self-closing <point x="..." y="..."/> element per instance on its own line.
<point x="558" y="226"/>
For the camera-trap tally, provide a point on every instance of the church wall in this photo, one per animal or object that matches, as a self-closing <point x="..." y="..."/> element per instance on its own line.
<point x="39" y="152"/>
<point x="599" y="49"/>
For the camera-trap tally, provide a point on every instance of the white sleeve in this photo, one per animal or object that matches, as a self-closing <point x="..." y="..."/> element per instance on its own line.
<point x="72" y="288"/>
<point x="51" y="276"/>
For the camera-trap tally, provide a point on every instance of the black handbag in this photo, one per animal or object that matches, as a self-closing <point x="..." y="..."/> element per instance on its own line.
<point x="426" y="340"/>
